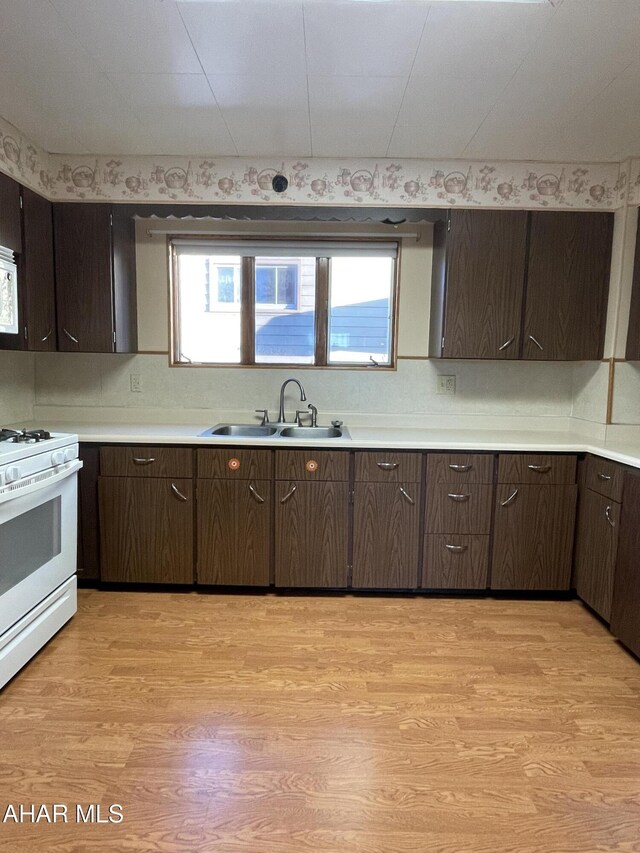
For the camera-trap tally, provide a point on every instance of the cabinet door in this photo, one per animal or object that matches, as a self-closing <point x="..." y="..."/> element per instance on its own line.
<point x="83" y="277"/>
<point x="38" y="273"/>
<point x="567" y="285"/>
<point x="485" y="264"/>
<point x="146" y="530"/>
<point x="10" y="229"/>
<point x="234" y="532"/>
<point x="88" y="527"/>
<point x="311" y="534"/>
<point x="633" y="330"/>
<point x="386" y="536"/>
<point x="625" y="610"/>
<point x="596" y="546"/>
<point x="533" y="537"/>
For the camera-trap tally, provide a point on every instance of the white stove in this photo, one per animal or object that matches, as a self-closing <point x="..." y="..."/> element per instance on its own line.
<point x="38" y="539"/>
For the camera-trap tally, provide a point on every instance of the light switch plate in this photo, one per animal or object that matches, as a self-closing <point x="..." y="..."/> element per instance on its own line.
<point x="446" y="384"/>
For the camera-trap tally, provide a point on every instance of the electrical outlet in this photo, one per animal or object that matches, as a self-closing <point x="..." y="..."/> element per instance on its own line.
<point x="446" y="384"/>
<point x="135" y="383"/>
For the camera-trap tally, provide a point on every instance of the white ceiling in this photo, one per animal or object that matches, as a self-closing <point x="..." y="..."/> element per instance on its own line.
<point x="324" y="78"/>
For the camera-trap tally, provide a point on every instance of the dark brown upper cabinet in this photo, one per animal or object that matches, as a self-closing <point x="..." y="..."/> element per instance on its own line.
<point x="633" y="332"/>
<point x="567" y="285"/>
<point x="95" y="278"/>
<point x="10" y="229"/>
<point x="477" y="288"/>
<point x="518" y="284"/>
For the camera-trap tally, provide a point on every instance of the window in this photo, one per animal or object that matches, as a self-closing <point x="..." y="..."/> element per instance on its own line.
<point x="320" y="303"/>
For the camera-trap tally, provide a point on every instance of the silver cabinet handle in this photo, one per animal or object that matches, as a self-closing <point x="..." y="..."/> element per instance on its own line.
<point x="288" y="495"/>
<point x="460" y="467"/>
<point x="387" y="466"/>
<point x="536" y="342"/>
<point x="607" y="515"/>
<point x="407" y="496"/>
<point x="604" y="477"/>
<point x="255" y="494"/>
<point x="70" y="336"/>
<point x="507" y="343"/>
<point x="541" y="469"/>
<point x="510" y="499"/>
<point x="47" y="336"/>
<point x="137" y="460"/>
<point x="459" y="498"/>
<point x="176" y="491"/>
<point x="457" y="549"/>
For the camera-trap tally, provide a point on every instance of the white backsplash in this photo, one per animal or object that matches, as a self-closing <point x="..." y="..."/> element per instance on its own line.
<point x="17" y="387"/>
<point x="511" y="389"/>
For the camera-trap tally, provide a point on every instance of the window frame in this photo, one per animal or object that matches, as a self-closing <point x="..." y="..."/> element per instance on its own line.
<point x="248" y="303"/>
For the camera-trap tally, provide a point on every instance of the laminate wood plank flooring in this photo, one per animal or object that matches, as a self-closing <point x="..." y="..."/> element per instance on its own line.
<point x="274" y="724"/>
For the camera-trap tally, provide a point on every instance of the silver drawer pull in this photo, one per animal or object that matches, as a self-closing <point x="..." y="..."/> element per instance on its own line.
<point x="70" y="336"/>
<point x="176" y="491"/>
<point x="288" y="495"/>
<point x="460" y="467"/>
<point x="138" y="460"/>
<point x="536" y="342"/>
<point x="47" y="336"/>
<point x="457" y="549"/>
<point x="510" y="499"/>
<point x="387" y="466"/>
<point x="255" y="494"/>
<point x="541" y="469"/>
<point x="607" y="515"/>
<point x="604" y="477"/>
<point x="507" y="343"/>
<point x="406" y="495"/>
<point x="458" y="498"/>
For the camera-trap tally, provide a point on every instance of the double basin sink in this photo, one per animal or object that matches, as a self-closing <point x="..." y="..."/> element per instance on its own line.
<point x="283" y="431"/>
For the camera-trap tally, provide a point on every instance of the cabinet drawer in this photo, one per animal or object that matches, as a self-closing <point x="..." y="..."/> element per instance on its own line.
<point x="143" y="461"/>
<point x="238" y="464"/>
<point x="312" y="465"/>
<point x="458" y="509"/>
<point x="460" y="468"/>
<point x="455" y="562"/>
<point x="385" y="467"/>
<point x="536" y="468"/>
<point x="605" y="477"/>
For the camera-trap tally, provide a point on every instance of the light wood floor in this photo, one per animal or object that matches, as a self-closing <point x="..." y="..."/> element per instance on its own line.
<point x="239" y="724"/>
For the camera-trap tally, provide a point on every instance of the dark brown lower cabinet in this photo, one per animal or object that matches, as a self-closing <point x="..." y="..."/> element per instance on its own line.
<point x="146" y="530"/>
<point x="311" y="534"/>
<point x="234" y="532"/>
<point x="625" y="609"/>
<point x="533" y="537"/>
<point x="455" y="562"/>
<point x="386" y="526"/>
<point x="596" y="548"/>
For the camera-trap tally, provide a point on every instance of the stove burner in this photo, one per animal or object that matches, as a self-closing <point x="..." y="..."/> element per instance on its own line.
<point x="24" y="435"/>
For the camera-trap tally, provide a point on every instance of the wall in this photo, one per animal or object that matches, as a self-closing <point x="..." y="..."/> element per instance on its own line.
<point x="17" y="387"/>
<point x="98" y="386"/>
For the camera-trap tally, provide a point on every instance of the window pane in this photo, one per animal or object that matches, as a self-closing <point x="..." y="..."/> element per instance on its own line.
<point x="360" y="305"/>
<point x="285" y="310"/>
<point x="208" y="292"/>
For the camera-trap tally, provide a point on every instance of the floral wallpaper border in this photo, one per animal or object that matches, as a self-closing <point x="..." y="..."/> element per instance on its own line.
<point x="316" y="181"/>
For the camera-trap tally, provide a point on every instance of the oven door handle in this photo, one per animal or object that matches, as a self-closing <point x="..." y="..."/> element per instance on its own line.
<point x="22" y="492"/>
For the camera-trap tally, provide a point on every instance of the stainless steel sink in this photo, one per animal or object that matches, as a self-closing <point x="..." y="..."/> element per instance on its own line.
<point x="242" y="430"/>
<point x="283" y="431"/>
<point x="311" y="432"/>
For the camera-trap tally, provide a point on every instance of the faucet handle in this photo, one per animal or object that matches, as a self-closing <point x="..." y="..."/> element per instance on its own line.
<point x="300" y="412"/>
<point x="265" y="415"/>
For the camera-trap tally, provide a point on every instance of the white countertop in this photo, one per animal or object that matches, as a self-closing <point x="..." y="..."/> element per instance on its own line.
<point x="364" y="437"/>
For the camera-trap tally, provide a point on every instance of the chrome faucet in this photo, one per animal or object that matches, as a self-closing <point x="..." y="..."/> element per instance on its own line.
<point x="303" y="397"/>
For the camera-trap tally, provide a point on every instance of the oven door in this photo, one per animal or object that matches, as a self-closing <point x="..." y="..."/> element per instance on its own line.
<point x="38" y="542"/>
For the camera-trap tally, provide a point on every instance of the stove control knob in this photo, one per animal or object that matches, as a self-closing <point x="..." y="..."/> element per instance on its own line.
<point x="57" y="457"/>
<point x="12" y="474"/>
<point x="69" y="454"/>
